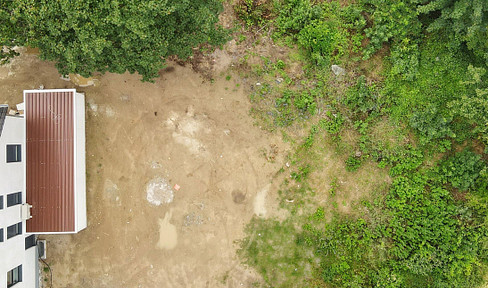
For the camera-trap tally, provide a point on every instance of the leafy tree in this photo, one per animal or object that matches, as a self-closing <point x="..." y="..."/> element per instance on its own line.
<point x="466" y="21"/>
<point x="84" y="36"/>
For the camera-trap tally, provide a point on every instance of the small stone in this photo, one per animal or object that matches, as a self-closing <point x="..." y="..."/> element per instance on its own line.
<point x="279" y="80"/>
<point x="65" y="78"/>
<point x="338" y="71"/>
<point x="125" y="97"/>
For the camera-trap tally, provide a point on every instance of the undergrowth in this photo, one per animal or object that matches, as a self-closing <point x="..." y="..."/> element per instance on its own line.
<point x="424" y="124"/>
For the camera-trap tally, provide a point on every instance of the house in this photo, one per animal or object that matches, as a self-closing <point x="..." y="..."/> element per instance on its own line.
<point x="42" y="176"/>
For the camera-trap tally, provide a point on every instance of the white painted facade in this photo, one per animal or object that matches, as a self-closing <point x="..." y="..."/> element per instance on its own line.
<point x="80" y="166"/>
<point x="12" y="250"/>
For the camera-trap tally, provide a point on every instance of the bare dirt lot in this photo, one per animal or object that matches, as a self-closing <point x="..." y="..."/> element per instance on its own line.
<point x="142" y="139"/>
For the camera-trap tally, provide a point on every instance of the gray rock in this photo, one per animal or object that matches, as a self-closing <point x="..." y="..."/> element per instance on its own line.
<point x="338" y="71"/>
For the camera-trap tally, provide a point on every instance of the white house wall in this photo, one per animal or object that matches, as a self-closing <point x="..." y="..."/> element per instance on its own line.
<point x="80" y="170"/>
<point x="12" y="251"/>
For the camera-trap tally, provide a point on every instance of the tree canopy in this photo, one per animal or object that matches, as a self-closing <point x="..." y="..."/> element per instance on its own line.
<point x="86" y="36"/>
<point x="466" y="21"/>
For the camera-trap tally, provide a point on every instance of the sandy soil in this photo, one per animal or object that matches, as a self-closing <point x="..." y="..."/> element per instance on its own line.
<point x="149" y="137"/>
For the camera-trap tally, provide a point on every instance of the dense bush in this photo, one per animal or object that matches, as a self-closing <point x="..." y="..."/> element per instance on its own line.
<point x="254" y="12"/>
<point x="464" y="21"/>
<point x="424" y="100"/>
<point x="326" y="31"/>
<point x="362" y="99"/>
<point x="321" y="39"/>
<point x="472" y="106"/>
<point x="391" y="21"/>
<point x="432" y="123"/>
<point x="462" y="170"/>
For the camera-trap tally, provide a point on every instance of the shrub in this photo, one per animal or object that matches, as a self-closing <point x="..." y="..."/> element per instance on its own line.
<point x="254" y="12"/>
<point x="294" y="15"/>
<point x="395" y="21"/>
<point x="362" y="99"/>
<point x="432" y="123"/>
<point x="353" y="163"/>
<point x="321" y="40"/>
<point x="462" y="169"/>
<point x="305" y="102"/>
<point x="333" y="123"/>
<point x="326" y="31"/>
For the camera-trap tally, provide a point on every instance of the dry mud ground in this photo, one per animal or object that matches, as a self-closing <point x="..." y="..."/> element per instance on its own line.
<point x="180" y="130"/>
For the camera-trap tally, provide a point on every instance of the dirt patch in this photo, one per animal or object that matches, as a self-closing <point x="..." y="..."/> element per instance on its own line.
<point x="168" y="237"/>
<point x="260" y="202"/>
<point x="182" y="129"/>
<point x="373" y="67"/>
<point x="341" y="190"/>
<point x="238" y="196"/>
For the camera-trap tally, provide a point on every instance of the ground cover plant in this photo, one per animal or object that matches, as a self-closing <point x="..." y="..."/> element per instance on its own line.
<point x="423" y="122"/>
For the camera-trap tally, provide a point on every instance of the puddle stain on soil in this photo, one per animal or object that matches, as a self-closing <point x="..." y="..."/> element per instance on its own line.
<point x="260" y="201"/>
<point x="168" y="238"/>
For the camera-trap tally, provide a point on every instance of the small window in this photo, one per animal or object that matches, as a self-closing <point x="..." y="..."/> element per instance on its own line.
<point x="14" y="199"/>
<point x="1" y="202"/>
<point x="14" y="276"/>
<point x="1" y="234"/>
<point x="14" y="153"/>
<point x="14" y="230"/>
<point x="30" y="241"/>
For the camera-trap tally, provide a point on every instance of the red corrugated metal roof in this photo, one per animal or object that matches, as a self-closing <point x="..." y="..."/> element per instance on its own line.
<point x="50" y="161"/>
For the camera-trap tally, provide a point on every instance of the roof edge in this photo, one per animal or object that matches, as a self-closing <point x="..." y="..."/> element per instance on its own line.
<point x="50" y="90"/>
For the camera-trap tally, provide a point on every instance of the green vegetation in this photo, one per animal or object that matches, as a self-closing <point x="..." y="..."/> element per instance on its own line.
<point x="423" y="121"/>
<point x="114" y="35"/>
<point x="387" y="185"/>
<point x="326" y="31"/>
<point x="254" y="13"/>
